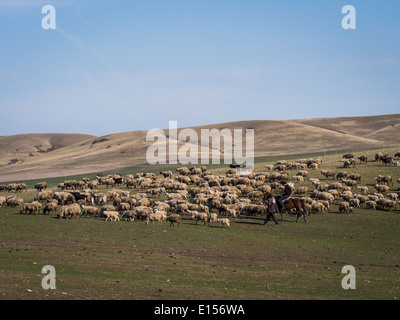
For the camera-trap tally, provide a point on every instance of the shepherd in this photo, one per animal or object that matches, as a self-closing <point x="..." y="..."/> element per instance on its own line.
<point x="286" y="194"/>
<point x="272" y="208"/>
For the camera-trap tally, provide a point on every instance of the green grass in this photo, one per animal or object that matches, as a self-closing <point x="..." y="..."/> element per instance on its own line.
<point x="131" y="260"/>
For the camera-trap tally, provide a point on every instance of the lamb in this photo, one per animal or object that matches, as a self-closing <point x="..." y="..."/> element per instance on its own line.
<point x="396" y="163"/>
<point x="174" y="218"/>
<point x="111" y="215"/>
<point x="224" y="222"/>
<point x="345" y="207"/>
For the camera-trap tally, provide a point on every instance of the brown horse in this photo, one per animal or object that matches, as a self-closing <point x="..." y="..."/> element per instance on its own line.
<point x="293" y="203"/>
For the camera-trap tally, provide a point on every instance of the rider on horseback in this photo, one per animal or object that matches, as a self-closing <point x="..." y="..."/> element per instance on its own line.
<point x="287" y="193"/>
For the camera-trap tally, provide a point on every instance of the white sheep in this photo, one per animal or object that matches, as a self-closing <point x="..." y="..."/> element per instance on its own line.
<point x="224" y="222"/>
<point x="111" y="215"/>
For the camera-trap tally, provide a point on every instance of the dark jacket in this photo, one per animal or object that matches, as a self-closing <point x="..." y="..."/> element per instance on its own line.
<point x="272" y="207"/>
<point x="287" y="191"/>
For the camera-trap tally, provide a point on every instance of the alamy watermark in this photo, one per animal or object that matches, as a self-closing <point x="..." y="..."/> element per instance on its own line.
<point x="195" y="150"/>
<point x="349" y="281"/>
<point x="49" y="280"/>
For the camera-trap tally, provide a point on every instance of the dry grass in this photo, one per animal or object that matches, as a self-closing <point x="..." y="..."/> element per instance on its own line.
<point x="272" y="138"/>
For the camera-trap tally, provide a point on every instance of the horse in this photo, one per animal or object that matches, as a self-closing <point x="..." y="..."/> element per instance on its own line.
<point x="293" y="203"/>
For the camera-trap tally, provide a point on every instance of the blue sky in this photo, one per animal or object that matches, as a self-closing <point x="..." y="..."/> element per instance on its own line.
<point x="124" y="65"/>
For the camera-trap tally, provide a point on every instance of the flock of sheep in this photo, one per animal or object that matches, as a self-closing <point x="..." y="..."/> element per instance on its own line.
<point x="204" y="197"/>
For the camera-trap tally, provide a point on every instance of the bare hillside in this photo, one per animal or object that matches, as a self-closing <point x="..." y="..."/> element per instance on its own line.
<point x="272" y="138"/>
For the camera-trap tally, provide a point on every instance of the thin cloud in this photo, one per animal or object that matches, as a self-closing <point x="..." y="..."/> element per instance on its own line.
<point x="83" y="46"/>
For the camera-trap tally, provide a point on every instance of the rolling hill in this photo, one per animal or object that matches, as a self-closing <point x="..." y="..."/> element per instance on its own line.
<point x="53" y="155"/>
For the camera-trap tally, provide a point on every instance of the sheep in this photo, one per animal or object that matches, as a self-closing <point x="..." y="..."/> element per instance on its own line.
<point x="269" y="167"/>
<point x="203" y="208"/>
<point x="355" y="203"/>
<point x="166" y="174"/>
<point x="386" y="203"/>
<point x="341" y="175"/>
<point x="392" y="196"/>
<point x="50" y="207"/>
<point x="345" y="207"/>
<point x="158" y="216"/>
<point x="2" y="201"/>
<point x="302" y="190"/>
<point x="182" y="208"/>
<point x="174" y="218"/>
<point x="40" y="185"/>
<point x="349" y="163"/>
<point x="123" y="206"/>
<point x="14" y="201"/>
<point x="363" y="189"/>
<point x="355" y="176"/>
<point x="335" y="186"/>
<point x="303" y="173"/>
<point x="90" y="210"/>
<point x="328" y="173"/>
<point x="69" y="211"/>
<point x="370" y="205"/>
<point x="326" y="196"/>
<point x="363" y="159"/>
<point x="30" y="208"/>
<point x="212" y="218"/>
<point x="111" y="215"/>
<point x="224" y="222"/>
<point x="317" y="207"/>
<point x="129" y="215"/>
<point x="396" y="163"/>
<point x="381" y="188"/>
<point x="142" y="212"/>
<point x="195" y="215"/>
<point x="348" y="156"/>
<point x="231" y="212"/>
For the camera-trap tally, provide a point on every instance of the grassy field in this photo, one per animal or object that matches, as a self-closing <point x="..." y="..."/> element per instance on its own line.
<point x="131" y="260"/>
